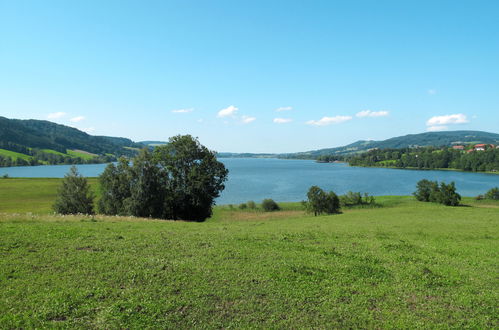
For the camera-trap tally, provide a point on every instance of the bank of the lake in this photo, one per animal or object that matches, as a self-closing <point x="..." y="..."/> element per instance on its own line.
<point x="289" y="180"/>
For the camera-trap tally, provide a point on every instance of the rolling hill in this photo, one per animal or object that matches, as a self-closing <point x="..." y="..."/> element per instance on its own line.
<point x="53" y="143"/>
<point x="437" y="139"/>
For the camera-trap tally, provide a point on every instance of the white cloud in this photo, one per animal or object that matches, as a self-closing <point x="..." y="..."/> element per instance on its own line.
<point x="369" y="113"/>
<point x="284" y="109"/>
<point x="56" y="115"/>
<point x="329" y="120"/>
<point x="247" y="119"/>
<point x="458" y="118"/>
<point x="432" y="91"/>
<point x="436" y="128"/>
<point x="183" y="110"/>
<point x="88" y="130"/>
<point x="77" y="119"/>
<point x="282" y="120"/>
<point x="227" y="112"/>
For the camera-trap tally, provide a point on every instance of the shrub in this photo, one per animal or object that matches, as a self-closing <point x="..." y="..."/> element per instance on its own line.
<point x="74" y="195"/>
<point x="424" y="190"/>
<point x="269" y="205"/>
<point x="356" y="198"/>
<point x="251" y="205"/>
<point x="431" y="191"/>
<point x="493" y="194"/>
<point x="243" y="206"/>
<point x="447" y="194"/>
<point x="321" y="202"/>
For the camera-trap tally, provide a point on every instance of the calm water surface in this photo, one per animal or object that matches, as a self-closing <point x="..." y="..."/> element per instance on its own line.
<point x="289" y="180"/>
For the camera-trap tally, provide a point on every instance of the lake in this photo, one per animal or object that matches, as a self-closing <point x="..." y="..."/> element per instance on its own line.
<point x="289" y="180"/>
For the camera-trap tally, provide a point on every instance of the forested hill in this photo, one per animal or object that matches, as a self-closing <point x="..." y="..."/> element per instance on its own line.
<point x="436" y="139"/>
<point x="34" y="142"/>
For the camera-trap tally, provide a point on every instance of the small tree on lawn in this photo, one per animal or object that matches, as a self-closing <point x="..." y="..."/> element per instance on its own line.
<point x="321" y="202"/>
<point x="74" y="195"/>
<point x="448" y="195"/>
<point x="425" y="189"/>
<point x="492" y="194"/>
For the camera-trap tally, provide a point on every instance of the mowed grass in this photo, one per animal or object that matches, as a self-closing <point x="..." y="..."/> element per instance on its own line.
<point x="82" y="154"/>
<point x="14" y="155"/>
<point x="36" y="195"/>
<point x="405" y="264"/>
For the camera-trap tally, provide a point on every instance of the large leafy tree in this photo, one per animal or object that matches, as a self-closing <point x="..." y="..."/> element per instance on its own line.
<point x="115" y="184"/>
<point x="74" y="195"/>
<point x="147" y="187"/>
<point x="194" y="178"/>
<point x="177" y="181"/>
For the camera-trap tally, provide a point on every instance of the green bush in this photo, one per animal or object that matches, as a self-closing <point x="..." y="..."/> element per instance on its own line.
<point x="321" y="202"/>
<point x="251" y="205"/>
<point x="356" y="198"/>
<point x="269" y="205"/>
<point x="243" y="206"/>
<point x="432" y="191"/>
<point x="493" y="194"/>
<point x="74" y="195"/>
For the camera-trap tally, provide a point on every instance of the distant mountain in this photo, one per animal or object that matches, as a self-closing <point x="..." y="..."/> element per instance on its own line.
<point x="153" y="143"/>
<point x="28" y="137"/>
<point x="437" y="139"/>
<point x="244" y="155"/>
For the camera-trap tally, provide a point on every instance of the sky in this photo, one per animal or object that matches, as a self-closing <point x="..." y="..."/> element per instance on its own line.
<point x="252" y="76"/>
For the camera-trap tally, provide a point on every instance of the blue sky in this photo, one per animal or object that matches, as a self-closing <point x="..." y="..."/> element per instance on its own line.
<point x="339" y="71"/>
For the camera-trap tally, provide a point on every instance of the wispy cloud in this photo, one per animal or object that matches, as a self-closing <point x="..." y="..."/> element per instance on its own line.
<point x="56" y="115"/>
<point x="282" y="120"/>
<point x="369" y="113"/>
<point x="329" y="120"/>
<point x="228" y="112"/>
<point x="437" y="128"/>
<point x="247" y="119"/>
<point x="432" y="91"/>
<point x="457" y="118"/>
<point x="88" y="130"/>
<point x="284" y="109"/>
<point x="77" y="119"/>
<point x="183" y="110"/>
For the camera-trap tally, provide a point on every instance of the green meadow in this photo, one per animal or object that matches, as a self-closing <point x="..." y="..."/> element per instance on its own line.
<point x="404" y="264"/>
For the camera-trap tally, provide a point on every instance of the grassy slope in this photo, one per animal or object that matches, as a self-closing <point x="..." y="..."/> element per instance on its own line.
<point x="31" y="195"/>
<point x="407" y="264"/>
<point x="14" y="155"/>
<point x="82" y="154"/>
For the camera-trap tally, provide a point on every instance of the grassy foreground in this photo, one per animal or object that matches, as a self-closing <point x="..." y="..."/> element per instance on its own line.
<point x="406" y="264"/>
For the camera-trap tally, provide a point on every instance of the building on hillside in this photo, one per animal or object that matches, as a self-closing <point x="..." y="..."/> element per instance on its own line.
<point x="480" y="147"/>
<point x="458" y="147"/>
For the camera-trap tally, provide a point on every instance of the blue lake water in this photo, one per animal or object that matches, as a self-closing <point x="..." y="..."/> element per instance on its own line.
<point x="289" y="180"/>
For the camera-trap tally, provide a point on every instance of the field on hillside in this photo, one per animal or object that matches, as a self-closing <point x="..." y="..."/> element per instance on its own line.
<point x="405" y="264"/>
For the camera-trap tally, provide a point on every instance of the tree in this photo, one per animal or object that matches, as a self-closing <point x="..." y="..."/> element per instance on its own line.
<point x="492" y="193"/>
<point x="74" y="195"/>
<point x="194" y="178"/>
<point x="269" y="205"/>
<point x="425" y="189"/>
<point x="447" y="194"/>
<point x="177" y="181"/>
<point x="431" y="191"/>
<point x="147" y="187"/>
<point x="321" y="202"/>
<point x="115" y="184"/>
